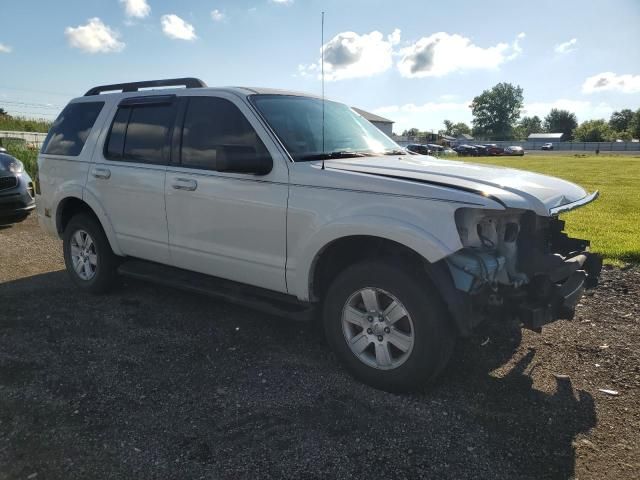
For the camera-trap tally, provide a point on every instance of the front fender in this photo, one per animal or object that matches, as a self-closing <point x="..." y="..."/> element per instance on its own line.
<point x="432" y="248"/>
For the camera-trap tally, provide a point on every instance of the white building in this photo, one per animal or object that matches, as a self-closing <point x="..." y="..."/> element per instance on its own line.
<point x="384" y="124"/>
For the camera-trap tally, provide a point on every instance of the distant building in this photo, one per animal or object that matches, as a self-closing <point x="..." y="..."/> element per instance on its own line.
<point x="545" y="137"/>
<point x="464" y="137"/>
<point x="384" y="124"/>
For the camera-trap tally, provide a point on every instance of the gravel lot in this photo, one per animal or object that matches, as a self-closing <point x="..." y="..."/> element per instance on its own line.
<point x="148" y="382"/>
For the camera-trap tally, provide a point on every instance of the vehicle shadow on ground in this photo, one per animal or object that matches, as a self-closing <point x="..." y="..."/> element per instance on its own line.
<point x="147" y="381"/>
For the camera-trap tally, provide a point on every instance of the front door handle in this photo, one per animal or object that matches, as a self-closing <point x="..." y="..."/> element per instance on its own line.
<point x="184" y="184"/>
<point x="104" y="173"/>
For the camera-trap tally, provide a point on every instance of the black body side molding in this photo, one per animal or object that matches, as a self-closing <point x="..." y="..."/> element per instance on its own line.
<point x="273" y="303"/>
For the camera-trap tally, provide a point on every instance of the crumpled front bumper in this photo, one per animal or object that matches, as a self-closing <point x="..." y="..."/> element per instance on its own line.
<point x="554" y="295"/>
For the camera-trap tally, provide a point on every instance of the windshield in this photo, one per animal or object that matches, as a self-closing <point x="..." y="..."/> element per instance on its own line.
<point x="298" y="123"/>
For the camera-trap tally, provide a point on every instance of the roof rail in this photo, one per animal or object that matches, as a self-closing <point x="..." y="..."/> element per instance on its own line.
<point x="187" y="82"/>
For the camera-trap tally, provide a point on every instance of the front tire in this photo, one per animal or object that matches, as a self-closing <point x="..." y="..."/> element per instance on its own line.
<point x="90" y="262"/>
<point x="387" y="326"/>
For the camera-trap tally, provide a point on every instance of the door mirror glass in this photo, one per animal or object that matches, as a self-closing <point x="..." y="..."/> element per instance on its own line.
<point x="242" y="159"/>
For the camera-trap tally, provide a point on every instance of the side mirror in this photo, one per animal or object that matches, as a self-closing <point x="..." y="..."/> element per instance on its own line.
<point x="242" y="159"/>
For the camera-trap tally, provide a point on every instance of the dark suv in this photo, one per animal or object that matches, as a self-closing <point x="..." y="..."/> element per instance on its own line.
<point x="16" y="190"/>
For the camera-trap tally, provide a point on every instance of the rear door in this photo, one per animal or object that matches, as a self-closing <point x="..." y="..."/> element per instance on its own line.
<point x="128" y="175"/>
<point x="230" y="225"/>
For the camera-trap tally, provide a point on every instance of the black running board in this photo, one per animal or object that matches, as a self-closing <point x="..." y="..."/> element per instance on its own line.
<point x="266" y="301"/>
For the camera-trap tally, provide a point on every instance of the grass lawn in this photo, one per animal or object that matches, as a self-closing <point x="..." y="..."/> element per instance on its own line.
<point x="612" y="222"/>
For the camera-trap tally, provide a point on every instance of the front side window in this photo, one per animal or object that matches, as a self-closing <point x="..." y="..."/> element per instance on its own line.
<point x="298" y="122"/>
<point x="213" y="126"/>
<point x="141" y="133"/>
<point x="71" y="129"/>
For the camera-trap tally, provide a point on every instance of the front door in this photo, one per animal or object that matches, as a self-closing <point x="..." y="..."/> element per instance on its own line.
<point x="230" y="225"/>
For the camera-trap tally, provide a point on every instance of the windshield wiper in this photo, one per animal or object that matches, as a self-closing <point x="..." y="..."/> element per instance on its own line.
<point x="395" y="152"/>
<point x="332" y="155"/>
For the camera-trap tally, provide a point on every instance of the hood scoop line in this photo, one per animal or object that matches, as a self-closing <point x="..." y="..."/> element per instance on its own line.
<point x="368" y="171"/>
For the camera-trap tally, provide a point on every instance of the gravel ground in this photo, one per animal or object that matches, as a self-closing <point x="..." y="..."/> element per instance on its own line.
<point x="148" y="382"/>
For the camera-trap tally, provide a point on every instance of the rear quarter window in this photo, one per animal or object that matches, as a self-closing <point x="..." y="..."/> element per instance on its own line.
<point x="141" y="133"/>
<point x="71" y="129"/>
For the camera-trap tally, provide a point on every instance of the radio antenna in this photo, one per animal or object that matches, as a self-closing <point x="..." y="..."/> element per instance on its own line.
<point x="322" y="75"/>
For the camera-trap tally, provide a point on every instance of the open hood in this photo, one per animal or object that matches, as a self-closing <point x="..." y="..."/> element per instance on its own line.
<point x="514" y="188"/>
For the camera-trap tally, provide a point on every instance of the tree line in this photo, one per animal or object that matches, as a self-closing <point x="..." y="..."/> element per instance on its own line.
<point x="496" y="116"/>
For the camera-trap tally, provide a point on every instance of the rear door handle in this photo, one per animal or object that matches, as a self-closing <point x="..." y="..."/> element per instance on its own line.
<point x="104" y="173"/>
<point x="184" y="184"/>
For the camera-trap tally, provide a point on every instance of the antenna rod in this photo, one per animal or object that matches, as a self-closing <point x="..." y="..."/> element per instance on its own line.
<point x="322" y="70"/>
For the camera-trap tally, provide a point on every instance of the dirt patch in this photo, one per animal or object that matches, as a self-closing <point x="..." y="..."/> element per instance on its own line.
<point x="148" y="382"/>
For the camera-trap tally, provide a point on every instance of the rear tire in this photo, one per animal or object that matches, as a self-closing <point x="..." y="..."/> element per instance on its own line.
<point x="90" y="262"/>
<point x="399" y="342"/>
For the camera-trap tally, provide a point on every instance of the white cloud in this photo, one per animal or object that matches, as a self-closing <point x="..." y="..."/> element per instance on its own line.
<point x="5" y="48"/>
<point x="217" y="15"/>
<point x="175" y="27"/>
<point x="350" y="55"/>
<point x="282" y="2"/>
<point x="427" y="116"/>
<point x="566" y="47"/>
<point x="584" y="109"/>
<point x="94" y="37"/>
<point x="443" y="53"/>
<point x="609" y="81"/>
<point x="136" y="8"/>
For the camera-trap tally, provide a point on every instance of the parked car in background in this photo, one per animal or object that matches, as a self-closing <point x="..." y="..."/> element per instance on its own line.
<point x="16" y="190"/>
<point x="481" y="150"/>
<point x="435" y="148"/>
<point x="419" y="149"/>
<point x="493" y="149"/>
<point x="228" y="192"/>
<point x="448" y="152"/>
<point x="514" y="151"/>
<point x="466" y="150"/>
<point x="547" y="146"/>
<point x="3" y="150"/>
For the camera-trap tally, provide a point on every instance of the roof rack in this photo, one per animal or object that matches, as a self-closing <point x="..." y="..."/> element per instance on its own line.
<point x="187" y="82"/>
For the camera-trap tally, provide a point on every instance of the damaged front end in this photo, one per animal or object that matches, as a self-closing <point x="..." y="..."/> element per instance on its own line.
<point x="516" y="264"/>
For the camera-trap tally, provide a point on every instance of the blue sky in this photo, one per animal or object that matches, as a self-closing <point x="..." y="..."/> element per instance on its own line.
<point x="416" y="62"/>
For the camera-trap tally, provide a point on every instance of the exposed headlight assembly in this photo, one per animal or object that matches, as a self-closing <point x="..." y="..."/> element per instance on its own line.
<point x="489" y="255"/>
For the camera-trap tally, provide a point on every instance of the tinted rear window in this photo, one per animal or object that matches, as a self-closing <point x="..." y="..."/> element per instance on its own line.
<point x="72" y="128"/>
<point x="141" y="134"/>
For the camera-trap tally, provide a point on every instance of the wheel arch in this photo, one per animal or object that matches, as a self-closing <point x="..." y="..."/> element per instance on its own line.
<point x="344" y="251"/>
<point x="71" y="205"/>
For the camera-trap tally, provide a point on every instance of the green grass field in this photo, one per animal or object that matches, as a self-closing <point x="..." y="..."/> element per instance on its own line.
<point x="612" y="222"/>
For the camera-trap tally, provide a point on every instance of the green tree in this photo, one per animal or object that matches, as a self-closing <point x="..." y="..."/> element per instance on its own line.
<point x="448" y="128"/>
<point x="3" y="112"/>
<point x="621" y="120"/>
<point x="460" y="128"/>
<point x="594" y="131"/>
<point x="527" y="126"/>
<point x="634" y="125"/>
<point x="496" y="111"/>
<point x="412" y="132"/>
<point x="561" y="121"/>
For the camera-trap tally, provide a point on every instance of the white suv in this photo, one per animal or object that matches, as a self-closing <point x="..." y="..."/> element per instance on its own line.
<point x="298" y="205"/>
